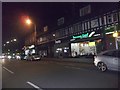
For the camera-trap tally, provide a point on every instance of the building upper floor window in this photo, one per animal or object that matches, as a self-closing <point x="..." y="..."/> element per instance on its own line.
<point x="70" y="29"/>
<point x="80" y="26"/>
<point x="45" y="28"/>
<point x="115" y="17"/>
<point x="66" y="31"/>
<point x="85" y="10"/>
<point x="94" y="23"/>
<point x="75" y="26"/>
<point x="83" y="27"/>
<point x="60" y="21"/>
<point x="109" y="19"/>
<point x="119" y="15"/>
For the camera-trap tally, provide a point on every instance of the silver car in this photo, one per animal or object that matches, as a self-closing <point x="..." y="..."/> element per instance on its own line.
<point x="33" y="57"/>
<point x="108" y="60"/>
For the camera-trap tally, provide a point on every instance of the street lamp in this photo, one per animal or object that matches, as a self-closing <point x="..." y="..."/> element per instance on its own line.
<point x="15" y="40"/>
<point x="7" y="42"/>
<point x="115" y="35"/>
<point x="29" y="22"/>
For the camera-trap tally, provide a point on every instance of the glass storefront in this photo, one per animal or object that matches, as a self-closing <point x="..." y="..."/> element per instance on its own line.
<point x="84" y="48"/>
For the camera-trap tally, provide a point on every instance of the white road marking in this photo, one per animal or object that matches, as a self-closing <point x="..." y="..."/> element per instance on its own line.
<point x="8" y="70"/>
<point x="33" y="85"/>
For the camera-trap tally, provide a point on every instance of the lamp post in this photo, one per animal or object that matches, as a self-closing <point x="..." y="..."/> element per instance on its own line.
<point x="29" y="22"/>
<point x="115" y="35"/>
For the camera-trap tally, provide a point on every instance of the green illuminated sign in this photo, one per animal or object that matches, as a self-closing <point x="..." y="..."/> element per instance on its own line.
<point x="86" y="35"/>
<point x="81" y="36"/>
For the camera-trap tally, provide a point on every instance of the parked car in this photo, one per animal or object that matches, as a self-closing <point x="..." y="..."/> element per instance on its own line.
<point x="108" y="60"/>
<point x="33" y="57"/>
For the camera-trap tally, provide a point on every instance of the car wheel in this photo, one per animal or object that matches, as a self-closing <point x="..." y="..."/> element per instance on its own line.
<point x="102" y="66"/>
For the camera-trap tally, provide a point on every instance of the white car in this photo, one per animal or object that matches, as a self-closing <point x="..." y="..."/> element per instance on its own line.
<point x="108" y="60"/>
<point x="33" y="57"/>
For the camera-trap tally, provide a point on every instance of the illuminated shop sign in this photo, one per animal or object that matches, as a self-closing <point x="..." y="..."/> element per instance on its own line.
<point x="32" y="46"/>
<point x="58" y="41"/>
<point x="81" y="36"/>
<point x="86" y="35"/>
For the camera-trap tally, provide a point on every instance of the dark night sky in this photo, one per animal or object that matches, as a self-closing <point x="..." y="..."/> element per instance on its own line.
<point x="41" y="13"/>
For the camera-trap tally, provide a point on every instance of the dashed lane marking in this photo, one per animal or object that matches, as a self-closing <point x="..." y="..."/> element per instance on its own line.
<point x="8" y="70"/>
<point x="33" y="85"/>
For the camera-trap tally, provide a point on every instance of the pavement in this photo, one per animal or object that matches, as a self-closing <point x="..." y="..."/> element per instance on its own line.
<point x="82" y="59"/>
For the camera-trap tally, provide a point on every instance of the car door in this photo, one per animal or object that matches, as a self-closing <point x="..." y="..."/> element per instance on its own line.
<point x="118" y="60"/>
<point x="115" y="60"/>
<point x="111" y="59"/>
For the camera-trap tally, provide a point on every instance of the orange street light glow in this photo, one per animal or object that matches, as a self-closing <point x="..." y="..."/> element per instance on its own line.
<point x="28" y="21"/>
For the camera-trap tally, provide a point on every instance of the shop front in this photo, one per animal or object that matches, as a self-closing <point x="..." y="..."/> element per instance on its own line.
<point x="61" y="49"/>
<point x="94" y="42"/>
<point x="85" y="48"/>
<point x="86" y="44"/>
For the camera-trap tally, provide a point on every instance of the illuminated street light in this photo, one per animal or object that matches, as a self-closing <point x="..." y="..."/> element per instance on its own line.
<point x="54" y="35"/>
<point x="11" y="40"/>
<point x="28" y="21"/>
<point x="14" y="39"/>
<point x="7" y="42"/>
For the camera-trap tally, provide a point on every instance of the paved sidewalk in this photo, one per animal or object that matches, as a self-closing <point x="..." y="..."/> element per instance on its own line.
<point x="85" y="60"/>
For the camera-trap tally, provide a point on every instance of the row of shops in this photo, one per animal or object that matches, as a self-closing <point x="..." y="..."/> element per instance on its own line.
<point x="89" y="43"/>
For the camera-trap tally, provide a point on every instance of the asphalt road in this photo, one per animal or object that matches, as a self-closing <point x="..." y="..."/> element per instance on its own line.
<point x="50" y="74"/>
